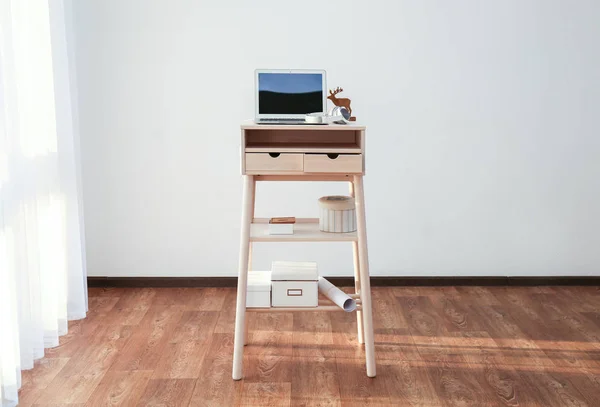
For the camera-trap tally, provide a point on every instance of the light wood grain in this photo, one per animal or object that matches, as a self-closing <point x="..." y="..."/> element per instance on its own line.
<point x="408" y="384"/>
<point x="356" y="263"/>
<point x="345" y="148"/>
<point x="323" y="163"/>
<point x="520" y="346"/>
<point x="317" y="382"/>
<point x="167" y="393"/>
<point x="78" y="379"/>
<point x="269" y="367"/>
<point x="305" y="230"/>
<point x="244" y="258"/>
<point x="264" y="163"/>
<point x="215" y="387"/>
<point x="181" y="360"/>
<point x="302" y="149"/>
<point x="266" y="394"/>
<point x="251" y="125"/>
<point x="120" y="388"/>
<point x="310" y="135"/>
<point x="365" y="282"/>
<point x="313" y="335"/>
<point x="315" y="159"/>
<point x="357" y="390"/>
<point x="34" y="381"/>
<point x="226" y="319"/>
<point x="144" y="349"/>
<point x="305" y="177"/>
<point x="207" y="299"/>
<point x="270" y="334"/>
<point x="195" y="326"/>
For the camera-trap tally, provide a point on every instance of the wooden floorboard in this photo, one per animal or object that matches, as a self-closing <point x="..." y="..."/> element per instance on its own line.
<point x="436" y="346"/>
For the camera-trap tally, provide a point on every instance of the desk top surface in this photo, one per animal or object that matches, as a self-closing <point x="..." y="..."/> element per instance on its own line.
<point x="251" y="125"/>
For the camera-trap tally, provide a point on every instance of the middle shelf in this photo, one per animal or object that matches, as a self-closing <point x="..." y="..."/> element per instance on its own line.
<point x="305" y="230"/>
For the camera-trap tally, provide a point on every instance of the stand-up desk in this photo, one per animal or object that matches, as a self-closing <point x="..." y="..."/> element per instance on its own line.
<point x="304" y="153"/>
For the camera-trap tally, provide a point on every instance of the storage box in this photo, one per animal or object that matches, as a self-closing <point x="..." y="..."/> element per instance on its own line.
<point x="282" y="226"/>
<point x="294" y="284"/>
<point x="338" y="214"/>
<point x="258" y="294"/>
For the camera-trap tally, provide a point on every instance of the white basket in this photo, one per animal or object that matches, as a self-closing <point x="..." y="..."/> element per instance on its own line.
<point x="338" y="214"/>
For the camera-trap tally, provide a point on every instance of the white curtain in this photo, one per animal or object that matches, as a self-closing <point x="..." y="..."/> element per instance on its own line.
<point x="42" y="261"/>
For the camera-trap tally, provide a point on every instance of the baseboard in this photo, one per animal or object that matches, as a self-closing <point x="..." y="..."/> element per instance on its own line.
<point x="349" y="281"/>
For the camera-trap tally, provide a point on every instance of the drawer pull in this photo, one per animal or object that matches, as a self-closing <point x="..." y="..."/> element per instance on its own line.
<point x="332" y="156"/>
<point x="294" y="292"/>
<point x="274" y="155"/>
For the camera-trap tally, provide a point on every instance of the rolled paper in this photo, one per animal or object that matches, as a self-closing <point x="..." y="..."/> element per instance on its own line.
<point x="340" y="298"/>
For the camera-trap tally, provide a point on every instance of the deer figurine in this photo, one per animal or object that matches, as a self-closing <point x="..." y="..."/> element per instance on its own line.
<point x="344" y="102"/>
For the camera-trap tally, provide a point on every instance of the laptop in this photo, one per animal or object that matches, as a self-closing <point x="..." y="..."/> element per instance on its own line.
<point x="286" y="96"/>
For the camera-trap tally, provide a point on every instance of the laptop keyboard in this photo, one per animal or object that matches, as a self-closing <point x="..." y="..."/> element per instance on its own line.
<point x="290" y="119"/>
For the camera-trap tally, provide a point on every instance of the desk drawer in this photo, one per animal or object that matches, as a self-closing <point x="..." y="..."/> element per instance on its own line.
<point x="273" y="162"/>
<point x="348" y="163"/>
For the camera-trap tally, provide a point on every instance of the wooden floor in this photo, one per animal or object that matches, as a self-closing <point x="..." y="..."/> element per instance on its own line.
<point x="447" y="346"/>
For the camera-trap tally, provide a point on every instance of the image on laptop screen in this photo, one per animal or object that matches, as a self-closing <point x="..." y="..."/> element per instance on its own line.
<point x="290" y="93"/>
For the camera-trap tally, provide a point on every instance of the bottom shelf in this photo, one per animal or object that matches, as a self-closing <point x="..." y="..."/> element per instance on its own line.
<point x="325" y="305"/>
<point x="320" y="308"/>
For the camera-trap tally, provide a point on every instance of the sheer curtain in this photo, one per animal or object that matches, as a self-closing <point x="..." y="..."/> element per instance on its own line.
<point x="42" y="261"/>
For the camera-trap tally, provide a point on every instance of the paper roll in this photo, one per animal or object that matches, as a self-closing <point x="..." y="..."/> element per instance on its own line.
<point x="340" y="298"/>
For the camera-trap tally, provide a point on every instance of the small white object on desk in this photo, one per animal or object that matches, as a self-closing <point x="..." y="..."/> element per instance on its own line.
<point x="282" y="226"/>
<point x="294" y="284"/>
<point x="259" y="289"/>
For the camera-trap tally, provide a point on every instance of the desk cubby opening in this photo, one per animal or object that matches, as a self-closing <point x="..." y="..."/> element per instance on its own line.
<point x="297" y="140"/>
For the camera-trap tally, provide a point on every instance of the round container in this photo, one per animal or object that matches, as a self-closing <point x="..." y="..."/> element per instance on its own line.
<point x="338" y="214"/>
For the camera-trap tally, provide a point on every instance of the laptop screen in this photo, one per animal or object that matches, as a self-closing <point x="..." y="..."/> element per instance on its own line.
<point x="290" y="93"/>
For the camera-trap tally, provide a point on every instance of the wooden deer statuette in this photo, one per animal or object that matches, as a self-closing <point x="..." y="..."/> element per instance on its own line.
<point x="344" y="102"/>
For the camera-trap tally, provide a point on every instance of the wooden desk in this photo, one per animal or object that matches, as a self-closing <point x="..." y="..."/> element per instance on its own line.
<point x="304" y="153"/>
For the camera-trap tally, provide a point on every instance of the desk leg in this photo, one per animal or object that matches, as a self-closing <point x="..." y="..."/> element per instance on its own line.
<point x="240" y="313"/>
<point x="246" y="323"/>
<point x="359" y="320"/>
<point x="253" y="200"/>
<point x="365" y="294"/>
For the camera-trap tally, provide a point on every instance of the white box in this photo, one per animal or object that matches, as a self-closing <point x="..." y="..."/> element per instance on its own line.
<point x="294" y="270"/>
<point x="295" y="294"/>
<point x="294" y="284"/>
<point x="281" y="228"/>
<point x="258" y="294"/>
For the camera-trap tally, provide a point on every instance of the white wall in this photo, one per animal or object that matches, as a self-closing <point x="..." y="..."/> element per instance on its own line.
<point x="483" y="152"/>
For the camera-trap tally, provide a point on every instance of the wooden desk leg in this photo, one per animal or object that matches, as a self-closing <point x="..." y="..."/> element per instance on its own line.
<point x="365" y="295"/>
<point x="359" y="320"/>
<point x="253" y="200"/>
<point x="357" y="290"/>
<point x="249" y="268"/>
<point x="240" y="313"/>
